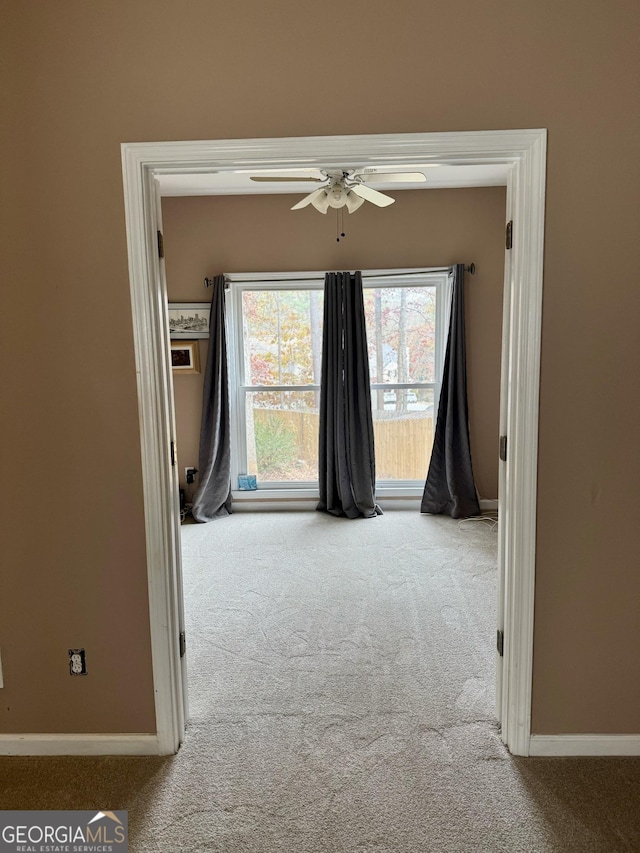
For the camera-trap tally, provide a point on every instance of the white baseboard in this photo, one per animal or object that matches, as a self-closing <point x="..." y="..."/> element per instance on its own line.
<point x="254" y="502"/>
<point x="278" y="505"/>
<point x="567" y="745"/>
<point x="488" y="504"/>
<point x="70" y="744"/>
<point x="389" y="503"/>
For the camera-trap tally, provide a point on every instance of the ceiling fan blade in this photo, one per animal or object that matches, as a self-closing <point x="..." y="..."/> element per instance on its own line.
<point x="373" y="196"/>
<point x="309" y="199"/>
<point x="299" y="180"/>
<point x="392" y="177"/>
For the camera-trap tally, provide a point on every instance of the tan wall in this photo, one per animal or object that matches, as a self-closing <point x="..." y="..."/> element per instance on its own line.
<point x="204" y="236"/>
<point x="187" y="404"/>
<point x="84" y="77"/>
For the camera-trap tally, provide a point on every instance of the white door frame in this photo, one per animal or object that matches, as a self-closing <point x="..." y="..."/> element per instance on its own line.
<point x="525" y="150"/>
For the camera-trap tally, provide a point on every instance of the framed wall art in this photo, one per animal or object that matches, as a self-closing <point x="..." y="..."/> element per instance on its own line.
<point x="185" y="357"/>
<point x="189" y="320"/>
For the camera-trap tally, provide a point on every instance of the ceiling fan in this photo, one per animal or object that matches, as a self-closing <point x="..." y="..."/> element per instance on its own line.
<point x="346" y="187"/>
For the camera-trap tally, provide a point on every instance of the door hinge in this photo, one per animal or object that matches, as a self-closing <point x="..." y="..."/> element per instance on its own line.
<point x="503" y="448"/>
<point x="509" y="235"/>
<point x="183" y="644"/>
<point x="160" y="245"/>
<point x="500" y="643"/>
<point x="173" y="453"/>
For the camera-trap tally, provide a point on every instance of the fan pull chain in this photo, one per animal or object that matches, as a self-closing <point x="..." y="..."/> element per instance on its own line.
<point x="339" y="224"/>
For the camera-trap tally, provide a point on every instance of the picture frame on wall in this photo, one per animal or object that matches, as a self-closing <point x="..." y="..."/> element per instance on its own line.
<point x="189" y="320"/>
<point x="185" y="357"/>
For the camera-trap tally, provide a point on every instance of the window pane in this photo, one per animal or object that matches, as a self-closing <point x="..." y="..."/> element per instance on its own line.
<point x="282" y="332"/>
<point x="401" y="327"/>
<point x="282" y="435"/>
<point x="403" y="429"/>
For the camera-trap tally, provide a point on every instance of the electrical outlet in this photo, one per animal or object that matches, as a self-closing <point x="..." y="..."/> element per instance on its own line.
<point x="190" y="474"/>
<point x="77" y="662"/>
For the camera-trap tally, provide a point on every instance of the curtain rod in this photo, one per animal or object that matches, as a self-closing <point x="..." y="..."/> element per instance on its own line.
<point x="208" y="282"/>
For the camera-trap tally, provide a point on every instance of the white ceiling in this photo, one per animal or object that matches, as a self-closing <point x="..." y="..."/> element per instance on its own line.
<point x="239" y="182"/>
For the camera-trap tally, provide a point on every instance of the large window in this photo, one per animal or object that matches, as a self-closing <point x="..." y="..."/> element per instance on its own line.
<point x="276" y="342"/>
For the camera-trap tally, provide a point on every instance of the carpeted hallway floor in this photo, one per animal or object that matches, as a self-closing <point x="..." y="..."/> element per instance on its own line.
<point x="342" y="695"/>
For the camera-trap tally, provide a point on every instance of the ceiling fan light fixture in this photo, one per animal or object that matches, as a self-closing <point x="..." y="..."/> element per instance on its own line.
<point x="336" y="195"/>
<point x="348" y="190"/>
<point x="321" y="202"/>
<point x="353" y="202"/>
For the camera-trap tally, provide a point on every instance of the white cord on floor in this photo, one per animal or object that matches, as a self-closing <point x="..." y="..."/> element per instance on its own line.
<point x="489" y="519"/>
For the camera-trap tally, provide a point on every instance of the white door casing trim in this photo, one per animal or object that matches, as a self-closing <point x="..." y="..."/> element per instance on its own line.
<point x="525" y="150"/>
<point x="520" y="387"/>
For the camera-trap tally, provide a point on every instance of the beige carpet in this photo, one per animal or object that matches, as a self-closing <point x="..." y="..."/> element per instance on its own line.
<point x="342" y="694"/>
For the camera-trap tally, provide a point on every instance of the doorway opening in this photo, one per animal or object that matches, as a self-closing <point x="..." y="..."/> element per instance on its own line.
<point x="524" y="152"/>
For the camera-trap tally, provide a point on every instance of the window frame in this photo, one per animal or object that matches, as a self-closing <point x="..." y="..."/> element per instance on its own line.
<point x="237" y="284"/>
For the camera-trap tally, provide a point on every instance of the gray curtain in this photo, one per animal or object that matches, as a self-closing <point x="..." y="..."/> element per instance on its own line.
<point x="213" y="496"/>
<point x="450" y="488"/>
<point x="346" y="464"/>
